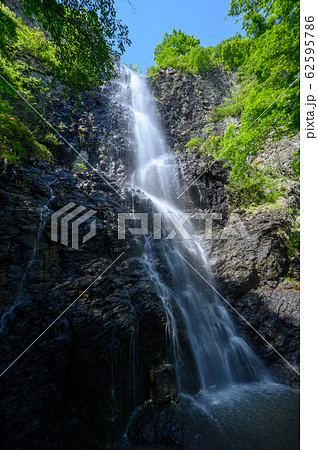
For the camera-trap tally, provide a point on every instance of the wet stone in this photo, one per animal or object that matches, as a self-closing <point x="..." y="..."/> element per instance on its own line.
<point x="164" y="387"/>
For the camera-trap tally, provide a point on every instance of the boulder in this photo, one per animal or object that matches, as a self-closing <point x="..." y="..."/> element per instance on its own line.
<point x="163" y="384"/>
<point x="156" y="426"/>
<point x="275" y="314"/>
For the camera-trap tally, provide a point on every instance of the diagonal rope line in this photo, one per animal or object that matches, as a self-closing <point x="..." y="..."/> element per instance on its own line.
<point x="240" y="315"/>
<point x="62" y="137"/>
<point x="62" y="314"/>
<point x="239" y="136"/>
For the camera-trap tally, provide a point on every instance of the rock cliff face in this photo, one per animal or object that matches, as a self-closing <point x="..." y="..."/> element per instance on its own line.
<point x="81" y="373"/>
<point x="185" y="102"/>
<point x="89" y="371"/>
<point x="249" y="253"/>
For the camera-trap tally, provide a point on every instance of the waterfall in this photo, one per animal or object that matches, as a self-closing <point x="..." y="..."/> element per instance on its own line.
<point x="220" y="355"/>
<point x="240" y="405"/>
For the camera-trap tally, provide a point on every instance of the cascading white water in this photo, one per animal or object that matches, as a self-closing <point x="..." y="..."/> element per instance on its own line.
<point x="221" y="356"/>
<point x="240" y="406"/>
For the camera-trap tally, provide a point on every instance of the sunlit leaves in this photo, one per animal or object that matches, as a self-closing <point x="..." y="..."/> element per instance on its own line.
<point x="267" y="99"/>
<point x="174" y="45"/>
<point x="87" y="35"/>
<point x="183" y="52"/>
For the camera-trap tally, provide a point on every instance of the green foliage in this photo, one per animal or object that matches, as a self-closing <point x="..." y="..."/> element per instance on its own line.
<point x="81" y="166"/>
<point x="77" y="52"/>
<point x="261" y="15"/>
<point x="194" y="143"/>
<point x="270" y="73"/>
<point x="153" y="71"/>
<point x="174" y="45"/>
<point x="82" y="44"/>
<point x="20" y="51"/>
<point x="296" y="164"/>
<point x="8" y="28"/>
<point x="51" y="139"/>
<point x="288" y="279"/>
<point x="17" y="142"/>
<point x="134" y="67"/>
<point x="24" y="55"/>
<point x="183" y="52"/>
<point x="199" y="58"/>
<point x="267" y="100"/>
<point x="255" y="188"/>
<point x="86" y="34"/>
<point x="232" y="52"/>
<point x="294" y="243"/>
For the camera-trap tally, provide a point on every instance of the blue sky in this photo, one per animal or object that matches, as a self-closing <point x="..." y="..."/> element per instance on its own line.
<point x="148" y="20"/>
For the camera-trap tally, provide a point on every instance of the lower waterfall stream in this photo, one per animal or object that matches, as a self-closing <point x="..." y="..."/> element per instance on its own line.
<point x="237" y="392"/>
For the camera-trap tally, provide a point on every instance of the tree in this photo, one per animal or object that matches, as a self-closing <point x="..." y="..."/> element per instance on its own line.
<point x="86" y="33"/>
<point x="173" y="46"/>
<point x="232" y="52"/>
<point x="183" y="52"/>
<point x="77" y="50"/>
<point x="261" y="15"/>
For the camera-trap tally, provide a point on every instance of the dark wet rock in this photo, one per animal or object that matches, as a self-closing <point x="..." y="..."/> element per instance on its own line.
<point x="279" y="155"/>
<point x="181" y="425"/>
<point x="252" y="249"/>
<point x="275" y="314"/>
<point x="97" y="134"/>
<point x="89" y="371"/>
<point x="156" y="425"/>
<point x="202" y="184"/>
<point x="163" y="384"/>
<point x="294" y="267"/>
<point x="185" y="101"/>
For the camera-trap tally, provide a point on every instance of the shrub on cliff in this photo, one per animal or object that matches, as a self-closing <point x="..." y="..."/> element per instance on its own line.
<point x="232" y="52"/>
<point x="21" y="49"/>
<point x="183" y="52"/>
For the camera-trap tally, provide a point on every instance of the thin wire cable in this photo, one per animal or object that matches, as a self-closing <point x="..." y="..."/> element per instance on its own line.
<point x="60" y="315"/>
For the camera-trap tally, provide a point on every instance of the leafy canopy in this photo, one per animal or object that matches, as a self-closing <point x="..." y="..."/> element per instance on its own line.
<point x="174" y="45"/>
<point x="86" y="33"/>
<point x="77" y="50"/>
<point x="232" y="52"/>
<point x="268" y="98"/>
<point x="183" y="52"/>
